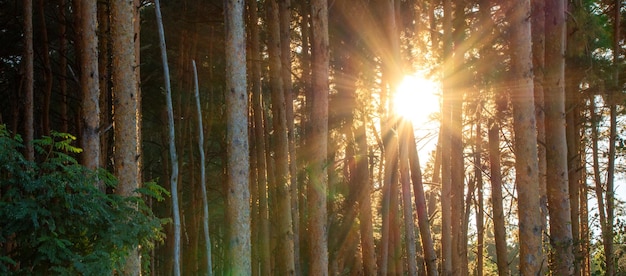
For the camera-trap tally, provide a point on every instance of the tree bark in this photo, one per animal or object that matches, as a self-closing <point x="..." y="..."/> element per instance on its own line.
<point x="430" y="256"/>
<point x="285" y="263"/>
<point x="90" y="86"/>
<point x="318" y="177"/>
<point x="29" y="75"/>
<point x="496" y="198"/>
<point x="562" y="260"/>
<point x="238" y="166"/>
<point x="126" y="109"/>
<point x="526" y="166"/>
<point x="407" y="204"/>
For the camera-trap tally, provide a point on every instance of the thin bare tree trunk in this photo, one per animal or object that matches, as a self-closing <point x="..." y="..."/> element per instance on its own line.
<point x="47" y="91"/>
<point x="446" y="142"/>
<point x="63" y="64"/>
<point x="205" y="202"/>
<point x="496" y="198"/>
<point x="365" y="205"/>
<point x="407" y="204"/>
<point x="172" y="144"/>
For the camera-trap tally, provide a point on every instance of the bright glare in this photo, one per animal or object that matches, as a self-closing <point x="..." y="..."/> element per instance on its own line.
<point x="416" y="99"/>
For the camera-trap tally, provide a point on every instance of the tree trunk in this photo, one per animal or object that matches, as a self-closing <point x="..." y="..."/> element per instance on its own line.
<point x="538" y="40"/>
<point x="562" y="260"/>
<point x="526" y="166"/>
<point x="407" y="204"/>
<point x="496" y="198"/>
<point x="285" y="251"/>
<point x="238" y="167"/>
<point x="205" y="202"/>
<point x="262" y="238"/>
<point x="126" y="112"/>
<point x="430" y="256"/>
<point x="47" y="91"/>
<point x="446" y="142"/>
<point x="318" y="177"/>
<point x="89" y="84"/>
<point x="365" y="204"/>
<point x="285" y="56"/>
<point x="478" y="176"/>
<point x="29" y="105"/>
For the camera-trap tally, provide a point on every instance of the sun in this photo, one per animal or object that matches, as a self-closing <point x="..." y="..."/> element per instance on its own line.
<point x="416" y="99"/>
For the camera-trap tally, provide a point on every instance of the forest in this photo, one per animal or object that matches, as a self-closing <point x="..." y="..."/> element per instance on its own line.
<point x="312" y="137"/>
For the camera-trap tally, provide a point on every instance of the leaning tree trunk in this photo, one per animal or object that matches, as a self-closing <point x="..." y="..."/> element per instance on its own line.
<point x="237" y="164"/>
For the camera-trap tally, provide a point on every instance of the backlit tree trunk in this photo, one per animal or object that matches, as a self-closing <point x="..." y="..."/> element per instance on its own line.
<point x="318" y="177"/>
<point x="496" y="198"/>
<point x="526" y="166"/>
<point x="562" y="260"/>
<point x="283" y="224"/>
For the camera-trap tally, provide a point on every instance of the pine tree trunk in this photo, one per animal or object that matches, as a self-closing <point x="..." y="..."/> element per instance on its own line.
<point x="430" y="257"/>
<point x="526" y="166"/>
<point x="407" y="204"/>
<point x="47" y="68"/>
<point x="238" y="166"/>
<point x="562" y="260"/>
<point x="29" y="105"/>
<point x="318" y="185"/>
<point x="365" y="204"/>
<point x="126" y="112"/>
<point x="446" y="142"/>
<point x="496" y="198"/>
<point x="284" y="230"/>
<point x="89" y="84"/>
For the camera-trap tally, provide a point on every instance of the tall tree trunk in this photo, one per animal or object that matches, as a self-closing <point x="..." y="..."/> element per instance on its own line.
<point x="262" y="238"/>
<point x="365" y="205"/>
<point x="285" y="57"/>
<point x="538" y="17"/>
<point x="430" y="256"/>
<point x="595" y="153"/>
<point x="526" y="166"/>
<point x="318" y="177"/>
<point x="562" y="260"/>
<point x="47" y="68"/>
<point x="89" y="84"/>
<point x="407" y="204"/>
<point x="446" y="142"/>
<point x="126" y="112"/>
<point x="478" y="177"/>
<point x="610" y="181"/>
<point x="63" y="64"/>
<point x="285" y="251"/>
<point x="238" y="166"/>
<point x="29" y="105"/>
<point x="205" y="202"/>
<point x="496" y="198"/>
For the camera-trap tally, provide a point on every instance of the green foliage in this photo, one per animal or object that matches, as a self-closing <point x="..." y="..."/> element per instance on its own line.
<point x="55" y="220"/>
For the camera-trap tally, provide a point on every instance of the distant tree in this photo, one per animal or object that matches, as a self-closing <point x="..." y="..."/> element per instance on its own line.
<point x="29" y="82"/>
